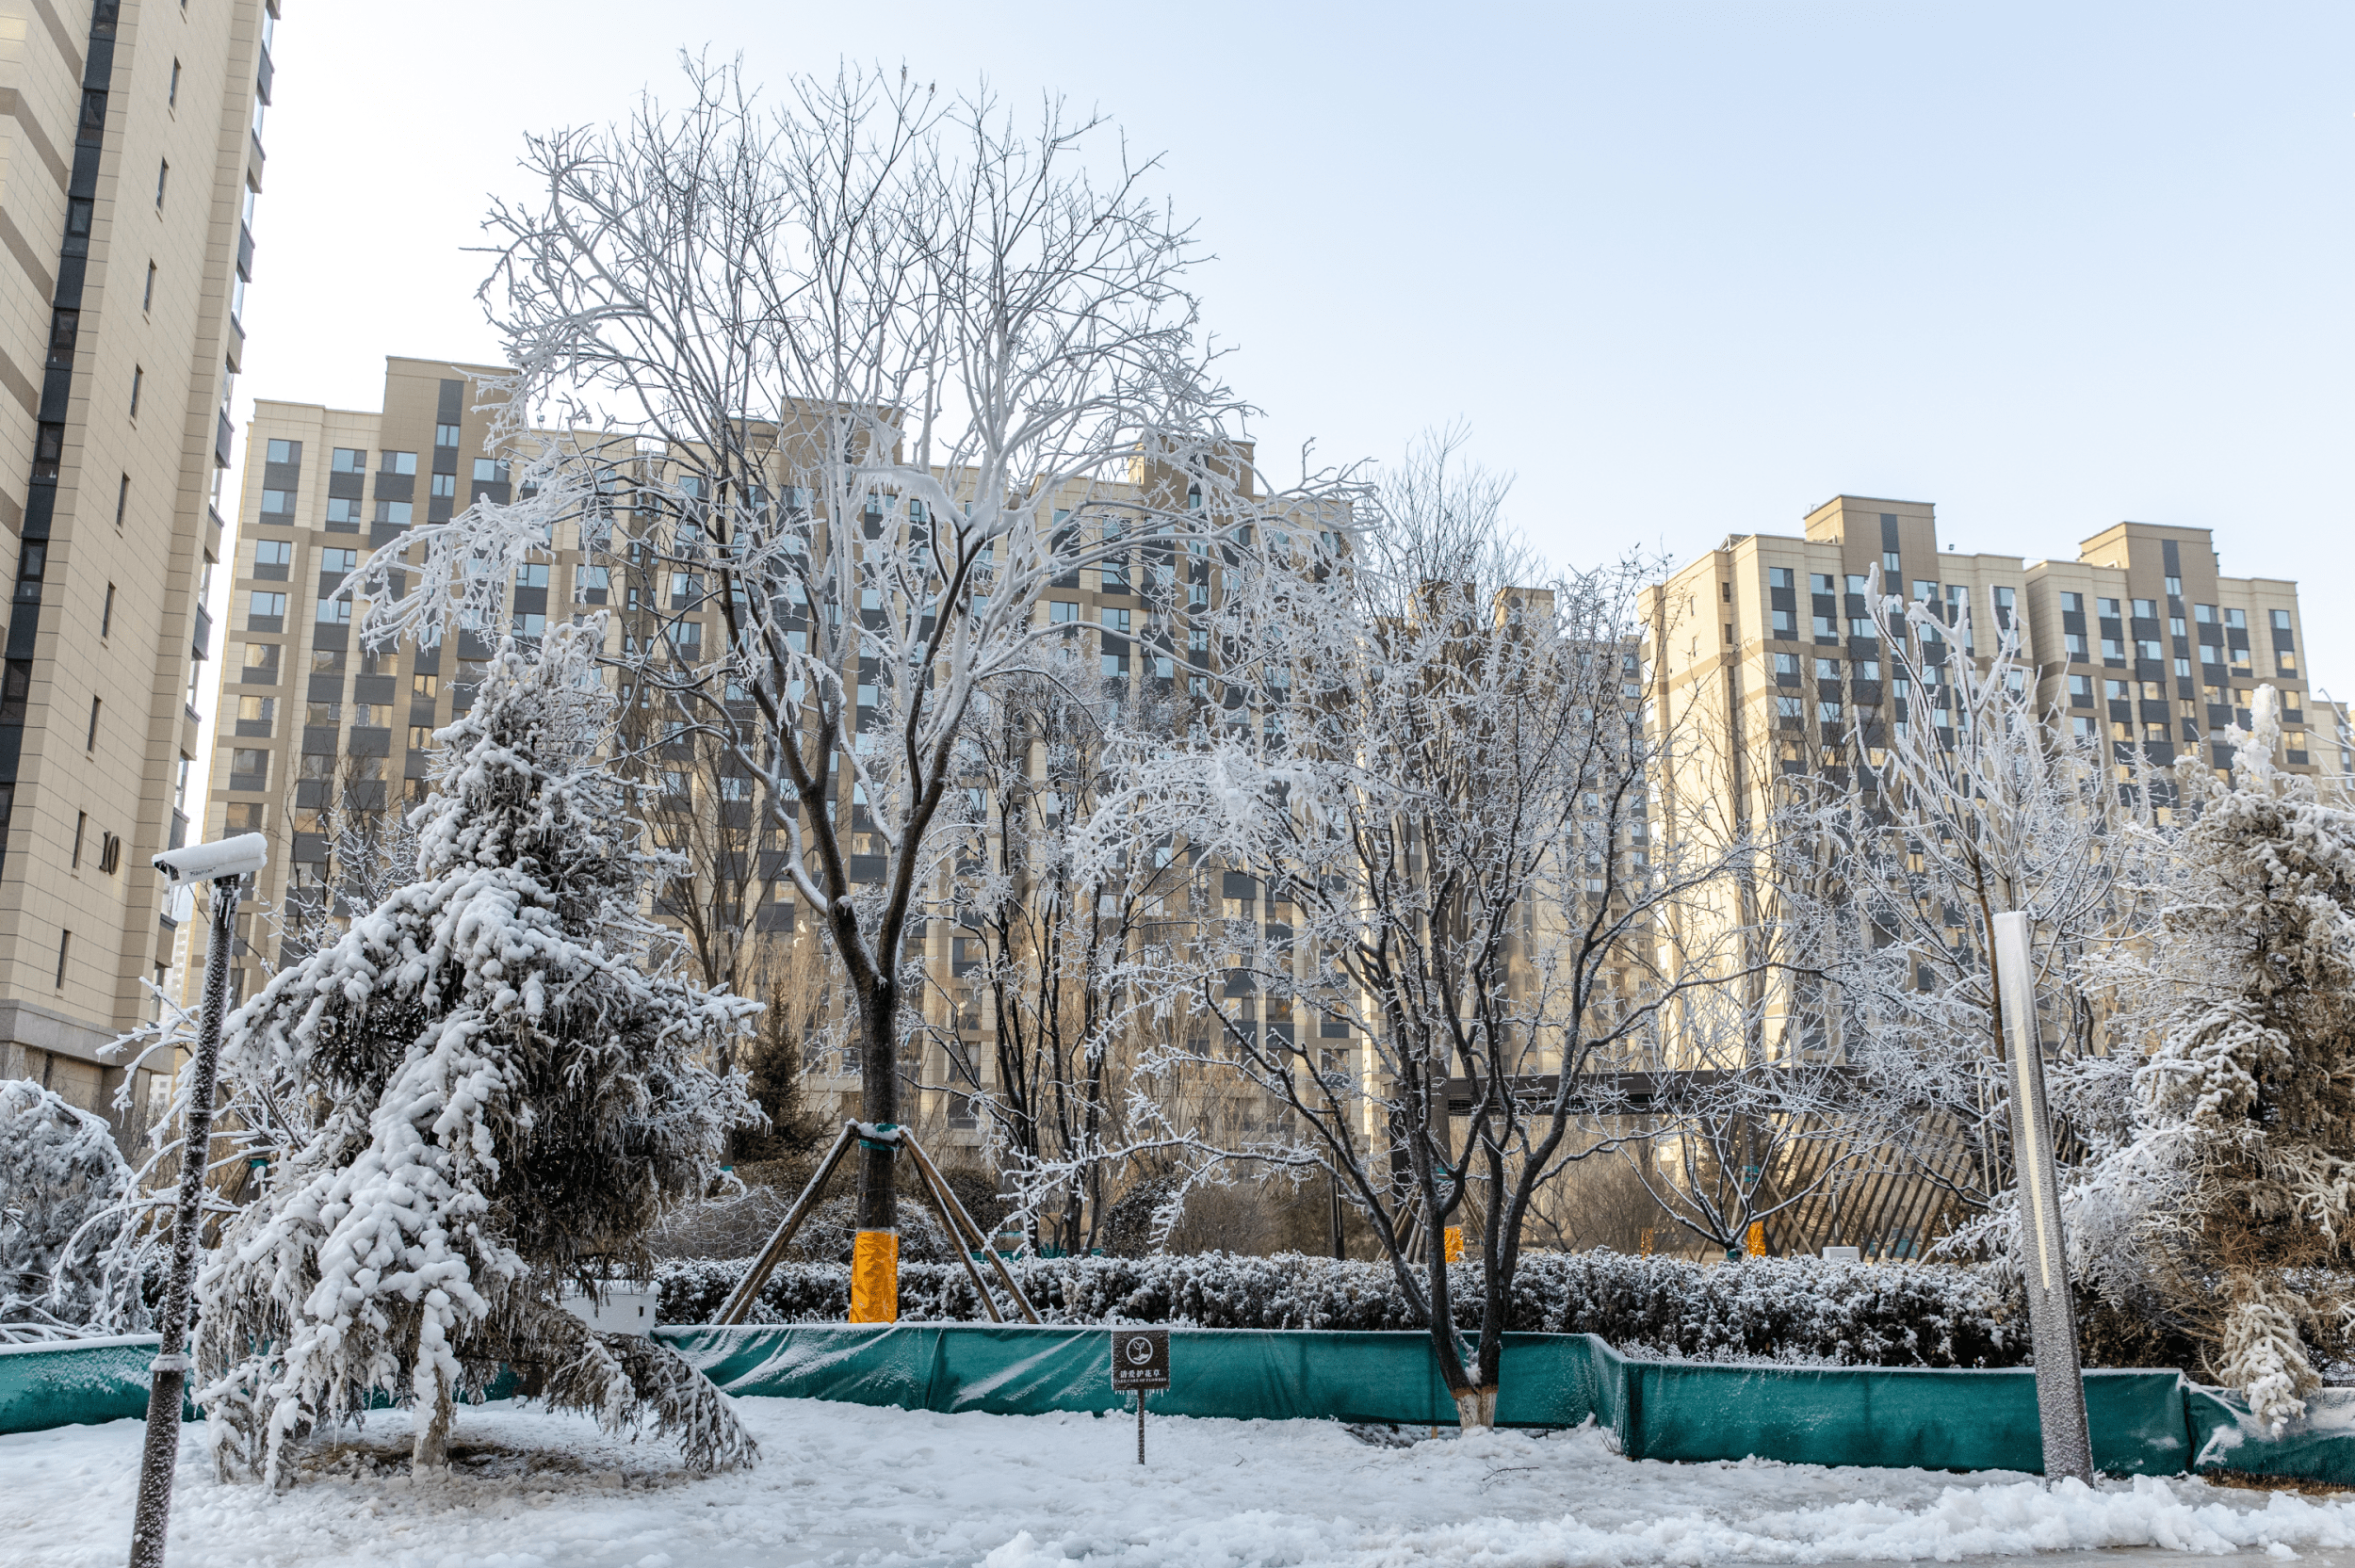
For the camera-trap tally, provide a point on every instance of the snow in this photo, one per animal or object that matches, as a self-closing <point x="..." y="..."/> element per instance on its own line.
<point x="853" y="1484"/>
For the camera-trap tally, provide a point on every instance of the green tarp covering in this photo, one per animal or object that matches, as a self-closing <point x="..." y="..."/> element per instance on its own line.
<point x="74" y="1384"/>
<point x="2144" y="1423"/>
<point x="1938" y="1420"/>
<point x="1660" y="1409"/>
<point x="2317" y="1445"/>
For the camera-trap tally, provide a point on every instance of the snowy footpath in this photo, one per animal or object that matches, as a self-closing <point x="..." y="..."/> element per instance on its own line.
<point x="842" y="1484"/>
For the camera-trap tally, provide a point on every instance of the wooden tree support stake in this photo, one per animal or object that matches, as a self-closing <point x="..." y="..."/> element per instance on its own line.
<point x="748" y="1288"/>
<point x="972" y="1232"/>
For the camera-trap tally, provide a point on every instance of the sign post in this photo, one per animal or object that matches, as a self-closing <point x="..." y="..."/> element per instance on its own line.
<point x="1140" y="1362"/>
<point x="2060" y="1394"/>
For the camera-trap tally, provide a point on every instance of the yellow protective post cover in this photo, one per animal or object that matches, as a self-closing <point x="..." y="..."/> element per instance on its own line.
<point x="1454" y="1240"/>
<point x="875" y="1277"/>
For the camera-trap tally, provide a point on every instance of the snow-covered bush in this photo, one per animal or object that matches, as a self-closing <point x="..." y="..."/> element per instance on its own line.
<point x="2228" y="1201"/>
<point x="503" y="1069"/>
<point x="1766" y="1309"/>
<point x="60" y="1174"/>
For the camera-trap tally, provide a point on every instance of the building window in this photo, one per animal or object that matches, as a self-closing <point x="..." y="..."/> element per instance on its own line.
<point x="264" y="606"/>
<point x="334" y="612"/>
<point x="443" y="485"/>
<point x="445" y="435"/>
<point x="277" y="503"/>
<point x="395" y="512"/>
<point x="342" y="510"/>
<point x="137" y="377"/>
<point x="89" y="741"/>
<point x="348" y="459"/>
<point x="2073" y="601"/>
<point x="1779" y="577"/>
<point x="107" y="613"/>
<point x="1061" y="612"/>
<point x="489" y="471"/>
<point x="65" y="946"/>
<point x="81" y="826"/>
<point x="2280" y="621"/>
<point x="163" y="181"/>
<point x="400" y="462"/>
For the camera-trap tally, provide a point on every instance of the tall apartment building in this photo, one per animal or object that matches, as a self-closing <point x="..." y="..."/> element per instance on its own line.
<point x="310" y="721"/>
<point x="2143" y="639"/>
<point x="1760" y="647"/>
<point x="133" y="160"/>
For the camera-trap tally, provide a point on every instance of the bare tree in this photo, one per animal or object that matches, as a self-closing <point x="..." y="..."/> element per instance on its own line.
<point x="1431" y="782"/>
<point x="1966" y="801"/>
<point x="1072" y="914"/>
<point x="883" y="359"/>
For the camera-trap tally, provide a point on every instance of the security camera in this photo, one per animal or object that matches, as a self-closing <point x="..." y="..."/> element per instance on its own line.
<point x="211" y="863"/>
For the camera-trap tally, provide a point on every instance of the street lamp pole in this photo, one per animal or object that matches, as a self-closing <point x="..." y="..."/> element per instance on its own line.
<point x="225" y="865"/>
<point x="2061" y="1396"/>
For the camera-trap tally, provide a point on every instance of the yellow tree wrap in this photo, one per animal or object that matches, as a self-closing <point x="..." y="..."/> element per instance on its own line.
<point x="875" y="1277"/>
<point x="1757" y="1239"/>
<point x="1453" y="1240"/>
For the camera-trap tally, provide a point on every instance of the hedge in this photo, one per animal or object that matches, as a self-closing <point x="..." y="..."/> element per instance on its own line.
<point x="1780" y="1309"/>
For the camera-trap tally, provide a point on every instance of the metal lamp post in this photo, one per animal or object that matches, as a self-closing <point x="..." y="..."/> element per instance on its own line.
<point x="2060" y="1394"/>
<point x="224" y="863"/>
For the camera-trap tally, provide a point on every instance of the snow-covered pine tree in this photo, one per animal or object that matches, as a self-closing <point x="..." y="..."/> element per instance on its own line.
<point x="2242" y="1156"/>
<point x="504" y="1068"/>
<point x="60" y="1176"/>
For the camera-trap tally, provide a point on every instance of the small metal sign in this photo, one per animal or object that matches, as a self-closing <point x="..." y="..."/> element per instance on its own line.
<point x="1140" y="1362"/>
<point x="1140" y="1358"/>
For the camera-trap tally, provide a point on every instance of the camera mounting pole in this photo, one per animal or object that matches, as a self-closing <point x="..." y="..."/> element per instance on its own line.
<point x="224" y="864"/>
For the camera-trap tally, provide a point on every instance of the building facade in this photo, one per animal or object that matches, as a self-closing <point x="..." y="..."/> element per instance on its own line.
<point x="313" y="726"/>
<point x="319" y="736"/>
<point x="133" y="160"/>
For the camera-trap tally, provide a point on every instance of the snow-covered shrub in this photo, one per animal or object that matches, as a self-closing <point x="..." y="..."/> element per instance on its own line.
<point x="503" y="1063"/>
<point x="2226" y="1205"/>
<point x="60" y="1174"/>
<point x="1767" y="1309"/>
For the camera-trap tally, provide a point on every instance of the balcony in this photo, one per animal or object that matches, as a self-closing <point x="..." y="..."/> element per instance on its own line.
<point x="200" y="643"/>
<point x="224" y="436"/>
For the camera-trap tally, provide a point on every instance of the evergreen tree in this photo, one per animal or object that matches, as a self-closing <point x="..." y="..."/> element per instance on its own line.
<point x="504" y="1071"/>
<point x="2236" y="1180"/>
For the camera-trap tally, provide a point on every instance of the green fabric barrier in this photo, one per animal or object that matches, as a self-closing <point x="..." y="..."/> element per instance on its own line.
<point x="74" y="1384"/>
<point x="1658" y="1410"/>
<point x="2317" y="1445"/>
<point x="1937" y="1421"/>
<point x="1021" y="1370"/>
<point x="2143" y="1422"/>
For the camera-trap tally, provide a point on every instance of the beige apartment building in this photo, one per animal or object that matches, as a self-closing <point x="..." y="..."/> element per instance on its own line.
<point x="129" y="167"/>
<point x="315" y="729"/>
<point x="1759" y="649"/>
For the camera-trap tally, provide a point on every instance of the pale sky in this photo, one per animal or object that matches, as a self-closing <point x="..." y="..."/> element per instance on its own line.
<point x="1685" y="269"/>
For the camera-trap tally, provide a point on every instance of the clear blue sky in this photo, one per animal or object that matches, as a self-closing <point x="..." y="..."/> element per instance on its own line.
<point x="1685" y="269"/>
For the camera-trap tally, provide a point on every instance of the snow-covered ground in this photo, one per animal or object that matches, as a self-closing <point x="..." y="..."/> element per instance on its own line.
<point x="850" y="1484"/>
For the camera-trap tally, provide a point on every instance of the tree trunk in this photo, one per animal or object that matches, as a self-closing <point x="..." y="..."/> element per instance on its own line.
<point x="1475" y="1407"/>
<point x="875" y="1248"/>
<point x="431" y="1448"/>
